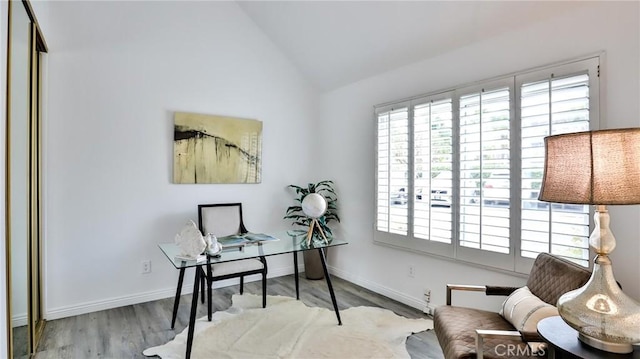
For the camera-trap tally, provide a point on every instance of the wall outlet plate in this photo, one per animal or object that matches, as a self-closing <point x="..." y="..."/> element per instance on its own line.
<point x="146" y="267"/>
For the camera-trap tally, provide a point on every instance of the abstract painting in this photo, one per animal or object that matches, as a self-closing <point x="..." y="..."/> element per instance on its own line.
<point x="216" y="149"/>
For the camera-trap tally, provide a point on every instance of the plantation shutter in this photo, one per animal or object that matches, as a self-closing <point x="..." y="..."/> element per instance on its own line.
<point x="392" y="166"/>
<point x="485" y="170"/>
<point x="551" y="106"/>
<point x="433" y="161"/>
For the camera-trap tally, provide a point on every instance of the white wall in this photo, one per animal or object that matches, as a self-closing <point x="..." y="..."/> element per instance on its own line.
<point x="117" y="72"/>
<point x="348" y="123"/>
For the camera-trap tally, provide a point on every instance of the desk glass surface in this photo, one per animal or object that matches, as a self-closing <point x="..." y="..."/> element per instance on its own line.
<point x="285" y="244"/>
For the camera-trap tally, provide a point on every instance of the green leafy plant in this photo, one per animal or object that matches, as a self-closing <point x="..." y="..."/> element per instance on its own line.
<point x="295" y="213"/>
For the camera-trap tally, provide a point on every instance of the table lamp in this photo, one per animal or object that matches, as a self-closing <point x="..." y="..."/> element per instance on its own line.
<point x="599" y="168"/>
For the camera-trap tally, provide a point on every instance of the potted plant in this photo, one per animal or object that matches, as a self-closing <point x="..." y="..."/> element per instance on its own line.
<point x="312" y="262"/>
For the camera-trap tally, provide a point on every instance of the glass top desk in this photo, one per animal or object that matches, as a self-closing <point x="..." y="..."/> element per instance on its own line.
<point x="286" y="243"/>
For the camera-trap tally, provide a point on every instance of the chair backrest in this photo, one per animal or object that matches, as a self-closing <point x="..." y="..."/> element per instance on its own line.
<point x="221" y="219"/>
<point x="552" y="276"/>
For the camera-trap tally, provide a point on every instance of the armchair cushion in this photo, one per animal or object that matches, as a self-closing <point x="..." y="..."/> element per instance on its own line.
<point x="524" y="310"/>
<point x="552" y="276"/>
<point x="245" y="265"/>
<point x="453" y="324"/>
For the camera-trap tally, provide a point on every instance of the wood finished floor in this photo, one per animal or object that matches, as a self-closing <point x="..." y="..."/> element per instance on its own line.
<point x="125" y="332"/>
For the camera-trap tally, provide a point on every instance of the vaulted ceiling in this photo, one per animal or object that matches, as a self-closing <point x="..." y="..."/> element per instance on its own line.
<point x="334" y="43"/>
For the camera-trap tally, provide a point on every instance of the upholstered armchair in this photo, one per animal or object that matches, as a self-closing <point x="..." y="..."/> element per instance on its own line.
<point x="474" y="333"/>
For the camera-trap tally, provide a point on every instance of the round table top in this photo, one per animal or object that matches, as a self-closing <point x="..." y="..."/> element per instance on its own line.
<point x="565" y="339"/>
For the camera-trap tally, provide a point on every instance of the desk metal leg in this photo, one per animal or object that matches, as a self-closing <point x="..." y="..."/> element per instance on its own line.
<point x="194" y="309"/>
<point x="295" y="271"/>
<point x="264" y="281"/>
<point x="176" y="301"/>
<point x="209" y="290"/>
<point x="326" y="276"/>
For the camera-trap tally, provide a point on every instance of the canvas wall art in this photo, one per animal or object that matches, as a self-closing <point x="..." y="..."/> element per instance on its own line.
<point x="216" y="149"/>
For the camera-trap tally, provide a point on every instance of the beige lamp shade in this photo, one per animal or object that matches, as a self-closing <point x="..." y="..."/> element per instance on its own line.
<point x="593" y="167"/>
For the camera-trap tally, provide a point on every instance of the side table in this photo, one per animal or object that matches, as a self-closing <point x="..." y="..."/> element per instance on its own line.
<point x="563" y="342"/>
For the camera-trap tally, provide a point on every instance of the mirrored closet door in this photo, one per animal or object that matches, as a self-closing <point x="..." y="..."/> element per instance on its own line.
<point x="23" y="175"/>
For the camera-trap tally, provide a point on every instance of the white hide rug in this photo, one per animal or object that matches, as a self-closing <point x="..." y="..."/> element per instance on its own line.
<point x="287" y="328"/>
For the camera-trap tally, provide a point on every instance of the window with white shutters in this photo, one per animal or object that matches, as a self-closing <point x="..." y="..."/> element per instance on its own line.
<point x="458" y="173"/>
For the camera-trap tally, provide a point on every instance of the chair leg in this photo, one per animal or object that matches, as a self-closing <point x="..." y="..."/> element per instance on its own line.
<point x="479" y="346"/>
<point x="202" y="287"/>
<point x="241" y="285"/>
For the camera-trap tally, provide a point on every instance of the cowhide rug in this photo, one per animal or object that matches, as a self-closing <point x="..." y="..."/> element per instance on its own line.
<point x="287" y="328"/>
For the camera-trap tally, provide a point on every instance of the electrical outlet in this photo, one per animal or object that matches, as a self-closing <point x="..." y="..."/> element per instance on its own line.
<point x="146" y="266"/>
<point x="427" y="295"/>
<point x="411" y="272"/>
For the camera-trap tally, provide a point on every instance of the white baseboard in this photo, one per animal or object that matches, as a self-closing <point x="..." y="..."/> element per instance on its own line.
<point x="380" y="289"/>
<point x="18" y="320"/>
<point x="115" y="302"/>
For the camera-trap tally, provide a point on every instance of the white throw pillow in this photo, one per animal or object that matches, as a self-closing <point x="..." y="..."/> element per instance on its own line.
<point x="524" y="310"/>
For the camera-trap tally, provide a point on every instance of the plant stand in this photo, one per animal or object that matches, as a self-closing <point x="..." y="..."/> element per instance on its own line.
<point x="313" y="264"/>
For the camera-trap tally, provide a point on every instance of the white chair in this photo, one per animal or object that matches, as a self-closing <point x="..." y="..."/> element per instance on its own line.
<point x="221" y="220"/>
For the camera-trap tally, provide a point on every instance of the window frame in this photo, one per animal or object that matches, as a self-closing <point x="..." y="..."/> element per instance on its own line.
<point x="513" y="261"/>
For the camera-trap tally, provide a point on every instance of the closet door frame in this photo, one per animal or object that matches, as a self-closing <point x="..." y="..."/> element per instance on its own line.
<point x="35" y="319"/>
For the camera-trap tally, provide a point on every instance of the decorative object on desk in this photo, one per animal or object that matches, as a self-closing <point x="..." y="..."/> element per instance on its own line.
<point x="239" y="240"/>
<point x="294" y="330"/>
<point x="190" y="241"/>
<point x="317" y="228"/>
<point x="314" y="206"/>
<point x="213" y="246"/>
<point x="599" y="168"/>
<point x="216" y="149"/>
<point x="211" y="240"/>
<point x="207" y="240"/>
